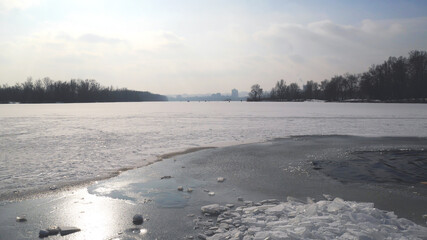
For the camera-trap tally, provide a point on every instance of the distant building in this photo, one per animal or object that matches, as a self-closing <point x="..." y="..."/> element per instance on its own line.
<point x="216" y="95"/>
<point x="234" y="93"/>
<point x="211" y="97"/>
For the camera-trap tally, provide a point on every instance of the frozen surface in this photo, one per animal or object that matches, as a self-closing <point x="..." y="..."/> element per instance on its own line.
<point x="270" y="170"/>
<point x="51" y="144"/>
<point x="337" y="219"/>
<point x="274" y="169"/>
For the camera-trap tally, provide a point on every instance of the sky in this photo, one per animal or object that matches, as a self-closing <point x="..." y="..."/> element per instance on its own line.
<point x="196" y="47"/>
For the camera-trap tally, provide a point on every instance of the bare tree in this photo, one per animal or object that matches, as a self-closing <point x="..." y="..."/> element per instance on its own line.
<point x="256" y="93"/>
<point x="294" y="91"/>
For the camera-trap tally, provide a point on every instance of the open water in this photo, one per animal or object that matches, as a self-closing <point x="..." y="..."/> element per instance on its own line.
<point x="46" y="145"/>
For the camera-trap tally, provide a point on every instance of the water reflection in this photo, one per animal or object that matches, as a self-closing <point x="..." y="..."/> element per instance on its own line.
<point x="163" y="192"/>
<point x="132" y="186"/>
<point x="97" y="217"/>
<point x="136" y="231"/>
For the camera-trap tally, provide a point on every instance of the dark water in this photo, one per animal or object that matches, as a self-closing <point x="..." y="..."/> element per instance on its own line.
<point x="390" y="166"/>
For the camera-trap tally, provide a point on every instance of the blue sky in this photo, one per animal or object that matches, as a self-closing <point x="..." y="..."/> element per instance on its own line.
<point x="174" y="47"/>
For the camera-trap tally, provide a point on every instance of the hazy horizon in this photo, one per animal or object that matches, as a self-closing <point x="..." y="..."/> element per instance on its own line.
<point x="196" y="47"/>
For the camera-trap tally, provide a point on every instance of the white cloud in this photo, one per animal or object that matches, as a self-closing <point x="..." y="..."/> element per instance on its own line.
<point x="7" y="5"/>
<point x="339" y="48"/>
<point x="170" y="40"/>
<point x="94" y="38"/>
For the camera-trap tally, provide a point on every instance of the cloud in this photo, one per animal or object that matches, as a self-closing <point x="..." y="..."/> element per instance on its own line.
<point x="93" y="38"/>
<point x="7" y="5"/>
<point x="88" y="38"/>
<point x="297" y="58"/>
<point x="167" y="39"/>
<point x="325" y="36"/>
<point x="347" y="45"/>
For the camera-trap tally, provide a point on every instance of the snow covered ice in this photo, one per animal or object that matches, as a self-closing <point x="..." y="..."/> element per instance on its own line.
<point x="45" y="144"/>
<point x="53" y="144"/>
<point x="336" y="219"/>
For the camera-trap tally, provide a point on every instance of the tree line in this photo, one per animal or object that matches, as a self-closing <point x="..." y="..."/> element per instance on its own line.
<point x="398" y="79"/>
<point x="76" y="90"/>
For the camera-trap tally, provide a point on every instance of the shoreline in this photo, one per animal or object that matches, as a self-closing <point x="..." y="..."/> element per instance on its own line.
<point x="40" y="192"/>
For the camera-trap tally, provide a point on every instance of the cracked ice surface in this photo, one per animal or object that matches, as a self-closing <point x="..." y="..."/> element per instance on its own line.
<point x="337" y="219"/>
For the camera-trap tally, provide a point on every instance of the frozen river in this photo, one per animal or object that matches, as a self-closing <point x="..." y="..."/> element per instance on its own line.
<point x="42" y="145"/>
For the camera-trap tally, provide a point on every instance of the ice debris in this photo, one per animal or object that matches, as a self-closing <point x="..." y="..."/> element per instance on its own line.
<point x="137" y="219"/>
<point x="220" y="179"/>
<point x="326" y="219"/>
<point x="21" y="219"/>
<point x="68" y="230"/>
<point x="43" y="233"/>
<point x="55" y="230"/>
<point x="213" y="209"/>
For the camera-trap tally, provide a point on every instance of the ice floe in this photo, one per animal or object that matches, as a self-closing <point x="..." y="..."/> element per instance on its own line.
<point x="326" y="219"/>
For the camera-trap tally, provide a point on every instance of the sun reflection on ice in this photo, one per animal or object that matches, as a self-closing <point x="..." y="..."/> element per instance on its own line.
<point x="98" y="217"/>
